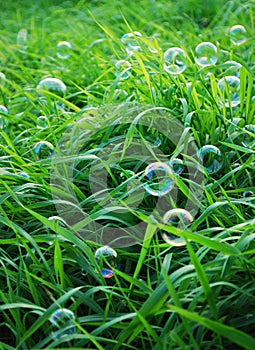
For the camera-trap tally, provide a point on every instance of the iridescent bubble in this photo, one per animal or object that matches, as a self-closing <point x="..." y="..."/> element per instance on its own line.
<point x="180" y="218"/>
<point x="43" y="150"/>
<point x="206" y="54"/>
<point x="123" y="69"/>
<point x="131" y="41"/>
<point x="177" y="165"/>
<point x="106" y="256"/>
<point x="232" y="68"/>
<point x="175" y="61"/>
<point x="157" y="142"/>
<point x="160" y="177"/>
<point x="238" y="35"/>
<point x="64" y="49"/>
<point x="229" y="88"/>
<point x="211" y="157"/>
<point x="249" y="136"/>
<point x="42" y="122"/>
<point x="248" y="194"/>
<point x="22" y="37"/>
<point x="53" y="85"/>
<point x="62" y="321"/>
<point x="2" y="79"/>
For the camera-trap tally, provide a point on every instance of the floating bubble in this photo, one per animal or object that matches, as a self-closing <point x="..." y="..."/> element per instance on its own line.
<point x="64" y="49"/>
<point x="3" y="110"/>
<point x="155" y="172"/>
<point x="157" y="142"/>
<point x="232" y="68"/>
<point x="22" y="37"/>
<point x="123" y="69"/>
<point x="24" y="174"/>
<point x="249" y="136"/>
<point x="206" y="54"/>
<point x="175" y="61"/>
<point x="43" y="150"/>
<point x="42" y="122"/>
<point x="248" y="194"/>
<point x="238" y="35"/>
<point x="108" y="254"/>
<point x="177" y="165"/>
<point x="180" y="218"/>
<point x="229" y="88"/>
<point x="211" y="158"/>
<point x="62" y="321"/>
<point x="2" y="79"/>
<point x="131" y="42"/>
<point x="53" y="85"/>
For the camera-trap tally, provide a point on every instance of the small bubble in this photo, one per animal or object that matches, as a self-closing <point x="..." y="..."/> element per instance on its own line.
<point x="206" y="54"/>
<point x="64" y="49"/>
<point x="53" y="85"/>
<point x="3" y="110"/>
<point x="232" y="68"/>
<point x="62" y="321"/>
<point x="211" y="158"/>
<point x="175" y="61"/>
<point x="238" y="35"/>
<point x="43" y="149"/>
<point x="24" y="174"/>
<point x="157" y="142"/>
<point x="110" y="256"/>
<point x="58" y="221"/>
<point x="180" y="218"/>
<point x="177" y="165"/>
<point x="42" y="122"/>
<point x="131" y="41"/>
<point x="249" y="137"/>
<point x="160" y="177"/>
<point x="123" y="69"/>
<point x="248" y="194"/>
<point x="22" y="37"/>
<point x="229" y="88"/>
<point x="2" y="79"/>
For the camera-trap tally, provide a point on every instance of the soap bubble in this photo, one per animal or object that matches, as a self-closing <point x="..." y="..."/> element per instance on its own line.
<point x="177" y="165"/>
<point x="53" y="85"/>
<point x="238" y="35"/>
<point x="175" y="61"/>
<point x="62" y="321"/>
<point x="2" y="79"/>
<point x="3" y="110"/>
<point x="155" y="172"/>
<point x="22" y="37"/>
<point x="130" y="40"/>
<point x="24" y="174"/>
<point x="119" y="95"/>
<point x="180" y="218"/>
<point x="64" y="49"/>
<point x="229" y="88"/>
<point x="211" y="158"/>
<point x="232" y="68"/>
<point x="123" y="69"/>
<point x="108" y="254"/>
<point x="58" y="221"/>
<point x="43" y="149"/>
<point x="157" y="142"/>
<point x="249" y="137"/>
<point x="248" y="194"/>
<point x="206" y="54"/>
<point x="42" y="122"/>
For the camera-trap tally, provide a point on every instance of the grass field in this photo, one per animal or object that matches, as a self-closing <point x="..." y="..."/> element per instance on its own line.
<point x="115" y="110"/>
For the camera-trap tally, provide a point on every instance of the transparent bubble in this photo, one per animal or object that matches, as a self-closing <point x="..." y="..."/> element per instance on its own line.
<point x="108" y="254"/>
<point x="131" y="41"/>
<point x="175" y="61"/>
<point x="24" y="174"/>
<point x="3" y="110"/>
<point x="253" y="98"/>
<point x="238" y="35"/>
<point x="2" y="79"/>
<point x="211" y="157"/>
<point x="53" y="85"/>
<point x="248" y="194"/>
<point x="22" y="37"/>
<point x="206" y="54"/>
<point x="58" y="221"/>
<point x="43" y="150"/>
<point x="126" y="175"/>
<point x="232" y="68"/>
<point x="157" y="142"/>
<point x="249" y="136"/>
<point x="64" y="49"/>
<point x="229" y="88"/>
<point x="177" y="165"/>
<point x="180" y="218"/>
<point x="123" y="69"/>
<point x="160" y="177"/>
<point x="42" y="122"/>
<point x="62" y="321"/>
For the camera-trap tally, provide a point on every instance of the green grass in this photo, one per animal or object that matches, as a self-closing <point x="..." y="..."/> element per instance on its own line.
<point x="198" y="296"/>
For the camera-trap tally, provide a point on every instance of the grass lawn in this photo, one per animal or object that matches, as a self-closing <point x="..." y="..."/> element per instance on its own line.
<point x="127" y="178"/>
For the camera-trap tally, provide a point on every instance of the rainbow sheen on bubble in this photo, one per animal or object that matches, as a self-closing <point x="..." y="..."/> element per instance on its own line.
<point x="238" y="35"/>
<point x="123" y="69"/>
<point x="53" y="85"/>
<point x="161" y="179"/>
<point x="206" y="54"/>
<point x="229" y="91"/>
<point x="211" y="158"/>
<point x="175" y="61"/>
<point x="42" y="122"/>
<point x="43" y="150"/>
<point x="64" y="49"/>
<point x="62" y="321"/>
<point x="179" y="218"/>
<point x="106" y="256"/>
<point x="177" y="165"/>
<point x="130" y="40"/>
